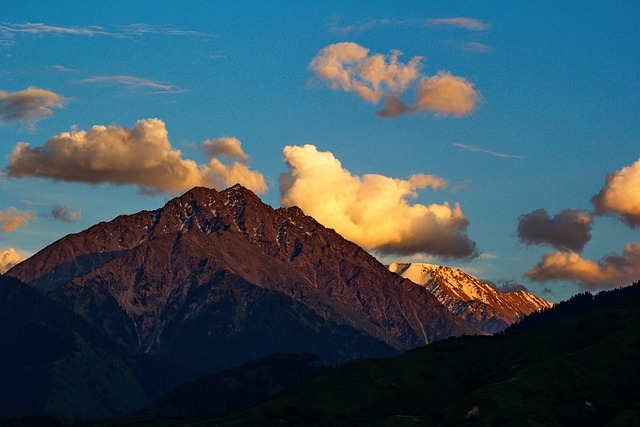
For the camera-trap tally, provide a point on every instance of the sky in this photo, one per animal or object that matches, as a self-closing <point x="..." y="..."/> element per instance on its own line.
<point x="501" y="138"/>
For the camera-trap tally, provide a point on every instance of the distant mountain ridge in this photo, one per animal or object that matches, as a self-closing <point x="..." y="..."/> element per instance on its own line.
<point x="478" y="303"/>
<point x="214" y="279"/>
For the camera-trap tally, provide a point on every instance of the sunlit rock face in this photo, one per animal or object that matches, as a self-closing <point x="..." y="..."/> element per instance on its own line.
<point x="478" y="303"/>
<point x="213" y="279"/>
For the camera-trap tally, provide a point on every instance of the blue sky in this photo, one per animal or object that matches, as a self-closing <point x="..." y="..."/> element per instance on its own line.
<point x="553" y="93"/>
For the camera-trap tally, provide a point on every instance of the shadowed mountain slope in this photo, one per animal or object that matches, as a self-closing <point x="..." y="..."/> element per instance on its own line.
<point x="214" y="279"/>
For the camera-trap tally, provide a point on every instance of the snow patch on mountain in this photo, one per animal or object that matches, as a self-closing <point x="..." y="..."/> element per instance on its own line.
<point x="464" y="295"/>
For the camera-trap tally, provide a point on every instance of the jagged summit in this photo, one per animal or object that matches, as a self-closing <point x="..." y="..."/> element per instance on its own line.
<point x="216" y="278"/>
<point x="479" y="303"/>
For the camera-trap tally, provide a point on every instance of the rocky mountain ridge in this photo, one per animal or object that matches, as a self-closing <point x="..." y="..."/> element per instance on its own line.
<point x="214" y="279"/>
<point x="464" y="295"/>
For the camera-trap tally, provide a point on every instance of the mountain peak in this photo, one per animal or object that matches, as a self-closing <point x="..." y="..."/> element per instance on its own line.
<point x="224" y="272"/>
<point x="479" y="303"/>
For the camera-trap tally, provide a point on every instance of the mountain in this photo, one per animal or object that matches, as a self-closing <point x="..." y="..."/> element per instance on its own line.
<point x="214" y="279"/>
<point x="54" y="361"/>
<point x="578" y="371"/>
<point x="478" y="303"/>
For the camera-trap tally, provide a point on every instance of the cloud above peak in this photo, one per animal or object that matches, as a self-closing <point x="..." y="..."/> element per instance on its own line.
<point x="349" y="67"/>
<point x="141" y="155"/>
<point x="373" y="210"/>
<point x="28" y="106"/>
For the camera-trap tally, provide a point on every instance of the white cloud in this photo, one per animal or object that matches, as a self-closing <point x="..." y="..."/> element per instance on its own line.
<point x="373" y="210"/>
<point x="29" y="105"/>
<point x="12" y="219"/>
<point x="141" y="156"/>
<point x="621" y="195"/>
<point x="610" y="272"/>
<point x="9" y="258"/>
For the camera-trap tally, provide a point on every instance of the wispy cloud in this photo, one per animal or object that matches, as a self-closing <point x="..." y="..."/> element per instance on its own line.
<point x="475" y="47"/>
<point x="134" y="82"/>
<point x="369" y="24"/>
<point x="480" y="150"/>
<point x="63" y="69"/>
<point x="8" y="31"/>
<point x="362" y="26"/>
<point x="141" y="29"/>
<point x="459" y="22"/>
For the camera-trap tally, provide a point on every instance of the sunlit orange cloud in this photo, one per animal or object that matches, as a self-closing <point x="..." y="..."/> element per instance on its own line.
<point x="29" y="105"/>
<point x="621" y="195"/>
<point x="349" y="67"/>
<point x="12" y="219"/>
<point x="372" y="210"/>
<point x="610" y="272"/>
<point x="9" y="258"/>
<point x="141" y="156"/>
<point x="445" y="94"/>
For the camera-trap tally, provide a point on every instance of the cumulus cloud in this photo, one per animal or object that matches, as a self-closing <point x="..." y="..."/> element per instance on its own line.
<point x="350" y="68"/>
<point x="29" y="105"/>
<point x="225" y="146"/>
<point x="445" y="95"/>
<point x="12" y="218"/>
<point x="373" y="210"/>
<point x="621" y="195"/>
<point x="64" y="214"/>
<point x="141" y="156"/>
<point x="460" y="22"/>
<point x="609" y="272"/>
<point x="568" y="230"/>
<point x="9" y="258"/>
